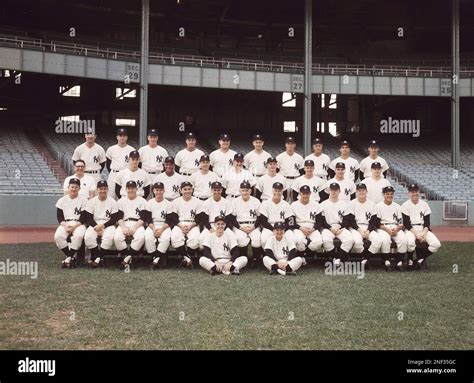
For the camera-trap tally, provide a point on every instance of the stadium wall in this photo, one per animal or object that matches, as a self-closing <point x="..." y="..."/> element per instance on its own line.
<point x="40" y="211"/>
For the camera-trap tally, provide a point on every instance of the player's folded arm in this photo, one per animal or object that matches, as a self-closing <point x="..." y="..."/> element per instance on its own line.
<point x="87" y="218"/>
<point x="264" y="222"/>
<point x="206" y="252"/>
<point x="293" y="254"/>
<point x="319" y="221"/>
<point x="231" y="221"/>
<point x="374" y="223"/>
<point x="348" y="221"/>
<point x="146" y="217"/>
<point x="324" y="223"/>
<point x="234" y="253"/>
<point x="171" y="220"/>
<point x="407" y="222"/>
<point x="112" y="221"/>
<point x="120" y="215"/>
<point x="269" y="253"/>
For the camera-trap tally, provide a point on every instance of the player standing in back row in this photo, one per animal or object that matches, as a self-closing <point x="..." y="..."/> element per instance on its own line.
<point x="92" y="154"/>
<point x="187" y="160"/>
<point x="351" y="164"/>
<point x="290" y="163"/>
<point x="256" y="160"/>
<point x="366" y="163"/>
<point x="222" y="159"/>
<point x="152" y="155"/>
<point x="321" y="160"/>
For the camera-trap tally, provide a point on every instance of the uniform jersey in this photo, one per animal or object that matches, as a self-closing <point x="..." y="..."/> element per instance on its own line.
<point x="290" y="165"/>
<point x="172" y="184"/>
<point x="351" y="166"/>
<point x="275" y="212"/>
<point x="347" y="188"/>
<point x="221" y="161"/>
<point x="416" y="212"/>
<point x="186" y="210"/>
<point x="215" y="209"/>
<point x="140" y="176"/>
<point x="256" y="163"/>
<point x="152" y="158"/>
<point x="315" y="183"/>
<point x="220" y="246"/>
<point x="334" y="212"/>
<point x="88" y="184"/>
<point x="374" y="188"/>
<point x="362" y="212"/>
<point x="188" y="161"/>
<point x="265" y="185"/>
<point x="281" y="249"/>
<point x="366" y="165"/>
<point x="118" y="156"/>
<point x="305" y="215"/>
<point x="245" y="211"/>
<point x="93" y="156"/>
<point x="389" y="214"/>
<point x="321" y="164"/>
<point x="202" y="183"/>
<point x="158" y="210"/>
<point x="231" y="180"/>
<point x="101" y="211"/>
<point x="131" y="208"/>
<point x="71" y="207"/>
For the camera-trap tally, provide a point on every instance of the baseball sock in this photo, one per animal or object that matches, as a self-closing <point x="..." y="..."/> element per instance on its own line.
<point x="243" y="251"/>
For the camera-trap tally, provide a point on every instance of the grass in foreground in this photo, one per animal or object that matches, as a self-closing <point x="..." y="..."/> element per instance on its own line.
<point x="182" y="309"/>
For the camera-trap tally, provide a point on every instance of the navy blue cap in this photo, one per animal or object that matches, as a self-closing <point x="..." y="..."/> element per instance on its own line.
<point x="122" y="131"/>
<point x="131" y="184"/>
<point x="185" y="184"/>
<point x="373" y="143"/>
<point x="376" y="165"/>
<point x="204" y="157"/>
<point x="340" y="165"/>
<point x="224" y="136"/>
<point x="219" y="218"/>
<point x="278" y="225"/>
<point x="305" y="189"/>
<point x="238" y="156"/>
<point x="191" y="135"/>
<point x="334" y="186"/>
<point x="169" y="159"/>
<point x="152" y="132"/>
<point x="245" y="185"/>
<point x="345" y="143"/>
<point x="317" y="141"/>
<point x="216" y="185"/>
<point x="277" y="185"/>
<point x="102" y="184"/>
<point x="387" y="189"/>
<point x="271" y="159"/>
<point x="158" y="185"/>
<point x="257" y="137"/>
<point x="134" y="154"/>
<point x="309" y="163"/>
<point x="290" y="139"/>
<point x="413" y="187"/>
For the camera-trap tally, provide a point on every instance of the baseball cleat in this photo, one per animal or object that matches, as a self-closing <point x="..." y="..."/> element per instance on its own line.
<point x="388" y="266"/>
<point x="272" y="272"/>
<point x="291" y="273"/>
<point x="235" y="272"/>
<point x="96" y="263"/>
<point x="399" y="266"/>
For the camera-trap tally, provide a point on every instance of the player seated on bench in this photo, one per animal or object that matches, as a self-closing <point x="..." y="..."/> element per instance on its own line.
<point x="71" y="223"/>
<point x="280" y="253"/>
<point x="221" y="253"/>
<point x="416" y="219"/>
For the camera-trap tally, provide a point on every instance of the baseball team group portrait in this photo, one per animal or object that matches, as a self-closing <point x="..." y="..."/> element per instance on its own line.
<point x="237" y="175"/>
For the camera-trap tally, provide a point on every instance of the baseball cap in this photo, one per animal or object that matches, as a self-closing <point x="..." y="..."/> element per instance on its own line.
<point x="224" y="136"/>
<point x="376" y="165"/>
<point x="277" y="185"/>
<point x="309" y="163"/>
<point x="334" y="186"/>
<point x="245" y="185"/>
<point x="361" y="186"/>
<point x="345" y="143"/>
<point x="271" y="159"/>
<point x="373" y="143"/>
<point x="257" y="137"/>
<point x="219" y="218"/>
<point x="340" y="165"/>
<point x="278" y="225"/>
<point x="216" y="185"/>
<point x="102" y="184"/>
<point x="317" y="141"/>
<point x="290" y="139"/>
<point x="152" y="132"/>
<point x="204" y="157"/>
<point x="90" y="130"/>
<point x="134" y="154"/>
<point x="413" y="187"/>
<point x="191" y="135"/>
<point x="74" y="181"/>
<point x="158" y="185"/>
<point x="131" y="184"/>
<point x="387" y="189"/>
<point x="169" y="159"/>
<point x="122" y="131"/>
<point x="305" y="189"/>
<point x="185" y="184"/>
<point x="239" y="156"/>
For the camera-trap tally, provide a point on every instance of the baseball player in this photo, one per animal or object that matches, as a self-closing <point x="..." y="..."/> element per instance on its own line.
<point x="171" y="179"/>
<point x="117" y="158"/>
<point x="185" y="232"/>
<point x="131" y="219"/>
<point x="101" y="216"/>
<point x="352" y="165"/>
<point x="308" y="221"/>
<point x="245" y="222"/>
<point x="275" y="210"/>
<point x="375" y="183"/>
<point x="222" y="159"/>
<point x="133" y="173"/>
<point x="203" y="179"/>
<point x="215" y="206"/>
<point x="152" y="155"/>
<point x="280" y="253"/>
<point x="88" y="183"/>
<point x="347" y="186"/>
<point x="334" y="210"/>
<point x="158" y="232"/>
<point x="366" y="163"/>
<point x="389" y="214"/>
<point x="290" y="163"/>
<point x="416" y="220"/>
<point x="321" y="160"/>
<point x="221" y="254"/>
<point x="69" y="210"/>
<point x="187" y="160"/>
<point x="316" y="185"/>
<point x="234" y="176"/>
<point x="361" y="221"/>
<point x="256" y="160"/>
<point x="92" y="154"/>
<point x="265" y="183"/>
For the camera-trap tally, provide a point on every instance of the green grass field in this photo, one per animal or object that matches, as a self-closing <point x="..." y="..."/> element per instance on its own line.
<point x="182" y="309"/>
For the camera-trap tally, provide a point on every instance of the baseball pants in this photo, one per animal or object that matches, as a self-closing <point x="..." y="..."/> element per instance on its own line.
<point x="313" y="242"/>
<point x="162" y="243"/>
<point x="243" y="239"/>
<point x="433" y="242"/>
<point x="178" y="239"/>
<point x="358" y="247"/>
<point x="344" y="236"/>
<point x="400" y="239"/>
<point x="60" y="237"/>
<point x="295" y="263"/>
<point x="90" y="239"/>
<point x="138" y="238"/>
<point x="208" y="264"/>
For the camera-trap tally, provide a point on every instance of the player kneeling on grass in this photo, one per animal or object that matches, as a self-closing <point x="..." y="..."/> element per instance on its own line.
<point x="389" y="215"/>
<point x="280" y="253"/>
<point x="158" y="217"/>
<point x="221" y="253"/>
<point x="71" y="220"/>
<point x="416" y="219"/>
<point x="101" y="216"/>
<point x="131" y="219"/>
